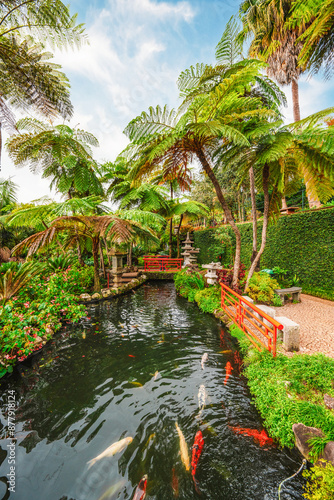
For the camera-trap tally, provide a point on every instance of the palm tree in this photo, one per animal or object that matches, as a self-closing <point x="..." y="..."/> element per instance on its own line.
<point x="61" y="153"/>
<point x="92" y="228"/>
<point x="12" y="280"/>
<point x="281" y="156"/>
<point x="8" y="190"/>
<point x="318" y="38"/>
<point x="171" y="140"/>
<point x="277" y="42"/>
<point x="28" y="78"/>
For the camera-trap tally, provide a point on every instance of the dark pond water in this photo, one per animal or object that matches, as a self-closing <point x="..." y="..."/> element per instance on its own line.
<point x="96" y="384"/>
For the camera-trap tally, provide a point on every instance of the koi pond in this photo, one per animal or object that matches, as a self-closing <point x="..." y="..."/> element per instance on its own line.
<point x="134" y="368"/>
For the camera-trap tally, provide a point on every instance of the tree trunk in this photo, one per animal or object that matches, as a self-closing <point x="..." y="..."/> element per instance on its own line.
<point x="0" y="145"/>
<point x="107" y="251"/>
<point x="96" y="244"/>
<point x="81" y="262"/>
<point x="178" y="236"/>
<point x="265" y="183"/>
<point x="208" y="170"/>
<point x="130" y="255"/>
<point x="313" y="199"/>
<point x="102" y="259"/>
<point x="254" y="213"/>
<point x="295" y="100"/>
<point x="171" y="226"/>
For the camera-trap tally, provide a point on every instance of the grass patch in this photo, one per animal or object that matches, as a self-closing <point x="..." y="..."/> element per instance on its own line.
<point x="291" y="390"/>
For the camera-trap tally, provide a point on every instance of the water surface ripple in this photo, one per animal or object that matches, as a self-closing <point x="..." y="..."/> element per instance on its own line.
<point x="95" y="385"/>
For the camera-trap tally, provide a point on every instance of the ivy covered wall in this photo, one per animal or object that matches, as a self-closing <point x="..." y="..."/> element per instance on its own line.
<point x="303" y="243"/>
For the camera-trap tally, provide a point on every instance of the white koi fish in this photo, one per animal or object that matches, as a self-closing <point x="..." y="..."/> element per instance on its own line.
<point x="113" y="489"/>
<point x="112" y="450"/>
<point x="204" y="359"/>
<point x="201" y="399"/>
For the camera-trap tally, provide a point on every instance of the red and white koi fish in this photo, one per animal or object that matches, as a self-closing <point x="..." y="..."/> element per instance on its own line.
<point x="140" y="492"/>
<point x="204" y="359"/>
<point x="261" y="437"/>
<point x="197" y="450"/>
<point x="228" y="369"/>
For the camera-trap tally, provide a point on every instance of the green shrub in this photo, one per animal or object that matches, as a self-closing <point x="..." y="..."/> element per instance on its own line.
<point x="291" y="390"/>
<point x="303" y="243"/>
<point x="187" y="284"/>
<point x="320" y="485"/>
<point x="261" y="288"/>
<point x="209" y="299"/>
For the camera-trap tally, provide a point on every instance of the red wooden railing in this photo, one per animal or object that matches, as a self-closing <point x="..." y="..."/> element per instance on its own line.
<point x="158" y="264"/>
<point x="259" y="327"/>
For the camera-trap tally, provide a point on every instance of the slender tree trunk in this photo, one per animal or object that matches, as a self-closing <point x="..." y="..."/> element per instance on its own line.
<point x="208" y="170"/>
<point x="81" y="262"/>
<point x="265" y="181"/>
<point x="0" y="145"/>
<point x="130" y="255"/>
<point x="171" y="226"/>
<point x="254" y="213"/>
<point x="102" y="259"/>
<point x="107" y="251"/>
<point x="97" y="284"/>
<point x="178" y="236"/>
<point x="313" y="199"/>
<point x="295" y="100"/>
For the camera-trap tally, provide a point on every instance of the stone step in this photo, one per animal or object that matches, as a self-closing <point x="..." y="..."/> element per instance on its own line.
<point x="130" y="275"/>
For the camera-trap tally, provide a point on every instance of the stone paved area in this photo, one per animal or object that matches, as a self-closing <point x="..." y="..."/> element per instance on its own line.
<point x="316" y="319"/>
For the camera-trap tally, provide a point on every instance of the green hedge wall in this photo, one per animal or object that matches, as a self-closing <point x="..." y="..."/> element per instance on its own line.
<point x="303" y="243"/>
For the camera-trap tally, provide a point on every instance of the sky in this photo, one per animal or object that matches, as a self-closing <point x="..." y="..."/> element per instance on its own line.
<point x="136" y="50"/>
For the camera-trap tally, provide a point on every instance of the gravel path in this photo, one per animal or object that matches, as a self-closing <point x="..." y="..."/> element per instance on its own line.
<point x="316" y="319"/>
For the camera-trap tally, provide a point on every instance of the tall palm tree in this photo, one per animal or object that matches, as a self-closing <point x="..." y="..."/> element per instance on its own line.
<point x="27" y="77"/>
<point x="61" y="153"/>
<point x="318" y="39"/>
<point x="281" y="156"/>
<point x="278" y="42"/>
<point x="171" y="140"/>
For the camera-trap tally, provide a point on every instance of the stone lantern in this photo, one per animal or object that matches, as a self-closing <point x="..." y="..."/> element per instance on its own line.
<point x="211" y="275"/>
<point x="189" y="253"/>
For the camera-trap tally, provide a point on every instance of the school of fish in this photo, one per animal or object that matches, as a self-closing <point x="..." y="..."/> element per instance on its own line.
<point x="140" y="493"/>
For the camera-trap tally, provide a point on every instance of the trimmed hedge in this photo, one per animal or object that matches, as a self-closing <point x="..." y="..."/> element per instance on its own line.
<point x="303" y="243"/>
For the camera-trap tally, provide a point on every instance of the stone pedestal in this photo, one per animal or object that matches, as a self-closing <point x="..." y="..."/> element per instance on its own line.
<point x="117" y="267"/>
<point x="291" y="333"/>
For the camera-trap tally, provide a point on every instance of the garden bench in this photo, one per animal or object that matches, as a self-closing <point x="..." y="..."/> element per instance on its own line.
<point x="295" y="291"/>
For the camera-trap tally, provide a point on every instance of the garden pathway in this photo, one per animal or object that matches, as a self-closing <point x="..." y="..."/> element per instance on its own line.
<point x="316" y="319"/>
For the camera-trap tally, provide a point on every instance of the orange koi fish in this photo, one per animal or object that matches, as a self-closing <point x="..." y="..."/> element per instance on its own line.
<point x="175" y="484"/>
<point x="261" y="437"/>
<point x="197" y="450"/>
<point x="140" y="492"/>
<point x="228" y="369"/>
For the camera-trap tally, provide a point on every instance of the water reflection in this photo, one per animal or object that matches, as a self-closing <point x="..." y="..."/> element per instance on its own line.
<point x="96" y="384"/>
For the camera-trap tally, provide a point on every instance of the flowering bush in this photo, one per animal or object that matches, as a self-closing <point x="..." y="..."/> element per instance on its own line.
<point x="226" y="276"/>
<point x="37" y="311"/>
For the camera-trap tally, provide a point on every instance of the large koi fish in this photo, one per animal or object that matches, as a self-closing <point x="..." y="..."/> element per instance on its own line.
<point x="197" y="450"/>
<point x="111" y="450"/>
<point x="183" y="448"/>
<point x="261" y="437"/>
<point x="140" y="492"/>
